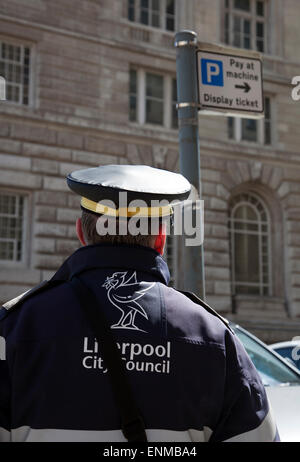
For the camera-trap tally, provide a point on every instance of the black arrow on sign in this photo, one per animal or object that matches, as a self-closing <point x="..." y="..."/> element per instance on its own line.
<point x="244" y="87"/>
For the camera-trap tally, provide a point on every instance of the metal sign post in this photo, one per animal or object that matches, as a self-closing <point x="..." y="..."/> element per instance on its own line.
<point x="211" y="79"/>
<point x="189" y="146"/>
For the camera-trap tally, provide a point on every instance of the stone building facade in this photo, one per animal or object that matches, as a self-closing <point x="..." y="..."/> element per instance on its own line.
<point x="91" y="82"/>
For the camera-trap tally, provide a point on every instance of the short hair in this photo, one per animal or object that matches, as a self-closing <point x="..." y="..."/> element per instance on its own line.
<point x="91" y="235"/>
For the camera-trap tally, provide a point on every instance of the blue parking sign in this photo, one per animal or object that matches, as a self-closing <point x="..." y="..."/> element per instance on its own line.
<point x="212" y="72"/>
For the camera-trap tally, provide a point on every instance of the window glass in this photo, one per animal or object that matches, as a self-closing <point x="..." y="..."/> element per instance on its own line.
<point x="174" y="102"/>
<point x="144" y="17"/>
<point x="144" y="12"/>
<point x="270" y="368"/>
<point x="155" y="20"/>
<point x="267" y="108"/>
<point x="267" y="132"/>
<point x="245" y="212"/>
<point x="244" y="24"/>
<point x="154" y="99"/>
<point x="170" y="7"/>
<point x="267" y="121"/>
<point x="148" y="100"/>
<point x="227" y="28"/>
<point x="242" y="5"/>
<point x="247" y="36"/>
<point x="249" y="130"/>
<point x="230" y="127"/>
<point x="237" y="31"/>
<point x="249" y="127"/>
<point x="155" y="13"/>
<point x="286" y="352"/>
<point x="246" y="258"/>
<point x="170" y="15"/>
<point x="247" y="43"/>
<point x="246" y="27"/>
<point x="15" y="68"/>
<point x="154" y="112"/>
<point x="132" y="81"/>
<point x="133" y="95"/>
<point x="131" y="14"/>
<point x="11" y="227"/>
<point x="260" y="45"/>
<point x="260" y="8"/>
<point x="154" y="86"/>
<point x="170" y="23"/>
<point x="259" y="29"/>
<point x="249" y="246"/>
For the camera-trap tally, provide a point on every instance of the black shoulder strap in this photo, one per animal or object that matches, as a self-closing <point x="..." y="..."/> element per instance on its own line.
<point x="132" y="423"/>
<point x="204" y="305"/>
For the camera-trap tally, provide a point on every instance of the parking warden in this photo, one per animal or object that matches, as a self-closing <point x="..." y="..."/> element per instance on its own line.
<point x="106" y="351"/>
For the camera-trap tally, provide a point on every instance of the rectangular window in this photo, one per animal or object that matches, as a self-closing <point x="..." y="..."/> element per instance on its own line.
<point x="230" y="127"/>
<point x="144" y="12"/>
<point x="245" y="24"/>
<point x="131" y="12"/>
<point x="12" y="227"/>
<point x="152" y="98"/>
<point x="170" y="15"/>
<point x="260" y="8"/>
<point x="252" y="130"/>
<point x="242" y="5"/>
<point x="226" y="29"/>
<point x="15" y="68"/>
<point x="268" y="127"/>
<point x="155" y="13"/>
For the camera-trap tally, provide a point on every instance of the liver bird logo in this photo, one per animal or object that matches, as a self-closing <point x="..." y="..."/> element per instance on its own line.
<point x="123" y="292"/>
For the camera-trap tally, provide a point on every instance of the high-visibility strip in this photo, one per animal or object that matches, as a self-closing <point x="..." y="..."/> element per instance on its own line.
<point x="97" y="207"/>
<point x="2" y="348"/>
<point x="28" y="434"/>
<point x="264" y="433"/>
<point x="4" y="435"/>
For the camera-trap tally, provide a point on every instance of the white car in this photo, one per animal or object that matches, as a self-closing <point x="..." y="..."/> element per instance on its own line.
<point x="282" y="383"/>
<point x="289" y="350"/>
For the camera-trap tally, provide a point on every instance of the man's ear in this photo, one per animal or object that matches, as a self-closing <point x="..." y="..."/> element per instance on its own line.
<point x="160" y="240"/>
<point x="79" y="231"/>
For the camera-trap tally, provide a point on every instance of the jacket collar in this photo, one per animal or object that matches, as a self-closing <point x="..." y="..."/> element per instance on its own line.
<point x="114" y="256"/>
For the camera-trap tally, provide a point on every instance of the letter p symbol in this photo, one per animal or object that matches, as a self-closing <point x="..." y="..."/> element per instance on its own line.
<point x="212" y="72"/>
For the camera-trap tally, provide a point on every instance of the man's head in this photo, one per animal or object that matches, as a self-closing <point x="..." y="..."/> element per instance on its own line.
<point x="87" y="232"/>
<point x="126" y="194"/>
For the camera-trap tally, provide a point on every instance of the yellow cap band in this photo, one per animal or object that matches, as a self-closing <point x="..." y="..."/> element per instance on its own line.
<point x="102" y="209"/>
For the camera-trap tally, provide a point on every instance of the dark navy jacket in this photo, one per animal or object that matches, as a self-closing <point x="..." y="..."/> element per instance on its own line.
<point x="191" y="377"/>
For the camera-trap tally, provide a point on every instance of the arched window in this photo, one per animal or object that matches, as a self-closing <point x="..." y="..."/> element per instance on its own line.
<point x="249" y="226"/>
